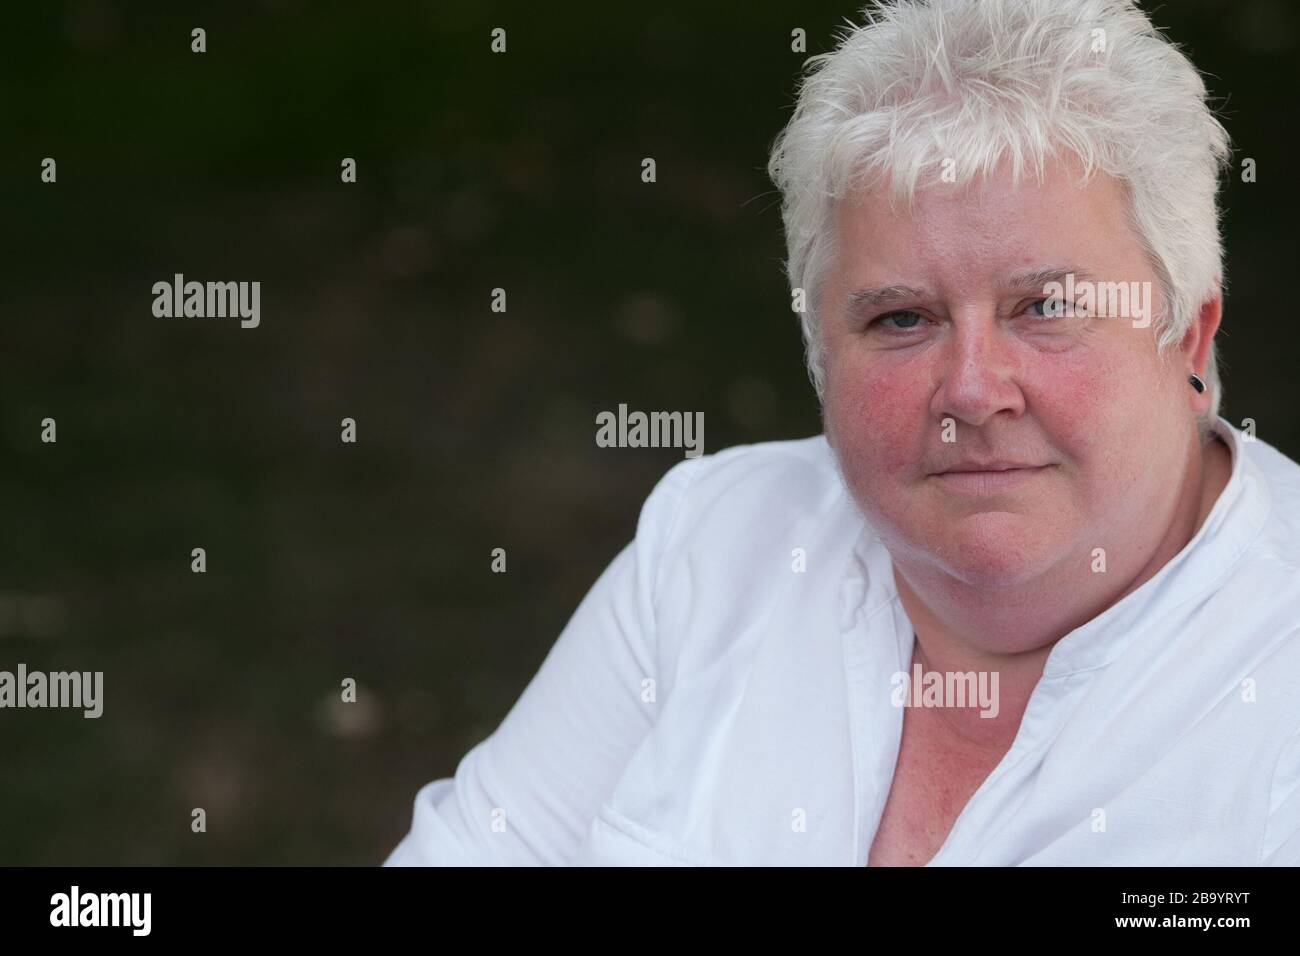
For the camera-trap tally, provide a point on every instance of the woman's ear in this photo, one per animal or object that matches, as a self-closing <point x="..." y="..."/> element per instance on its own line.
<point x="1200" y="335"/>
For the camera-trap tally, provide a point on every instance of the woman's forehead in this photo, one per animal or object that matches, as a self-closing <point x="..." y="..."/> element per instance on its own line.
<point x="1000" y="233"/>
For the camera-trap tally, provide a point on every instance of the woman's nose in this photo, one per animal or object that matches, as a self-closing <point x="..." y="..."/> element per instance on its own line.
<point x="978" y="376"/>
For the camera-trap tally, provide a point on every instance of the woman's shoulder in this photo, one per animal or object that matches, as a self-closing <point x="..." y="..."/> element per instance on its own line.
<point x="788" y="478"/>
<point x="1280" y="470"/>
<point x="743" y="499"/>
<point x="1280" y="476"/>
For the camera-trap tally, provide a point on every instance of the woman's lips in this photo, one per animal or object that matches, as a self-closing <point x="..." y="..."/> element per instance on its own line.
<point x="988" y="482"/>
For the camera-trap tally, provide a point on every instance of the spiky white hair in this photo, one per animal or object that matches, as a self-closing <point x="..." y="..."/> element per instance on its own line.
<point x="982" y="82"/>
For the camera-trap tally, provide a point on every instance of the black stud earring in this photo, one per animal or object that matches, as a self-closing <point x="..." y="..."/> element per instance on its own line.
<point x="1196" y="382"/>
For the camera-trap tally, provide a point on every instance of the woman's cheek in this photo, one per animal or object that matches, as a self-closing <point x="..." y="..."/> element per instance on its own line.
<point x="1080" y="404"/>
<point x="879" y="420"/>
<point x="1070" y="387"/>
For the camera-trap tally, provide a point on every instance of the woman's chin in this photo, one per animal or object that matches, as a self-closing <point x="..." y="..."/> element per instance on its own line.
<point x="994" y="561"/>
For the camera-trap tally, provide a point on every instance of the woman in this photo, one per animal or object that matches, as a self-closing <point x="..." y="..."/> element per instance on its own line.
<point x="1030" y="599"/>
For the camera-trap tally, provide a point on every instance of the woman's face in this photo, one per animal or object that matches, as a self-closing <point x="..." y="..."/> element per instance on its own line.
<point x="958" y="346"/>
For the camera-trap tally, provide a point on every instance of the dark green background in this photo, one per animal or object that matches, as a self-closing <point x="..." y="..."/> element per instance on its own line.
<point x="476" y="429"/>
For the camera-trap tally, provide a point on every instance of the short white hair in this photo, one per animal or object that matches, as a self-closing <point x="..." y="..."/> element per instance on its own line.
<point x="978" y="82"/>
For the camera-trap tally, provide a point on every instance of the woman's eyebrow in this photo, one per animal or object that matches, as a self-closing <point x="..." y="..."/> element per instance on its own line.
<point x="863" y="300"/>
<point x="1038" y="279"/>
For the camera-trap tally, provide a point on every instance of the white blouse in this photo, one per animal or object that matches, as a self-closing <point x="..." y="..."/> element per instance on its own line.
<point x="710" y="704"/>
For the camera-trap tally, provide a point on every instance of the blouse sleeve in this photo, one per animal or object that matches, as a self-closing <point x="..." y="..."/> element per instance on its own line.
<point x="526" y="795"/>
<point x="1281" y="845"/>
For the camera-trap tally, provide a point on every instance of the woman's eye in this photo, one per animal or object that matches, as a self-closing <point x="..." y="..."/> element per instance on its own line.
<point x="909" y="320"/>
<point x="1048" y="308"/>
<point x="1055" y="308"/>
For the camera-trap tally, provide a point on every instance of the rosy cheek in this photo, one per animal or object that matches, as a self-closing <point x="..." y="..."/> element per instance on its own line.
<point x="1079" y="404"/>
<point x="1072" y="395"/>
<point x="879" y="417"/>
